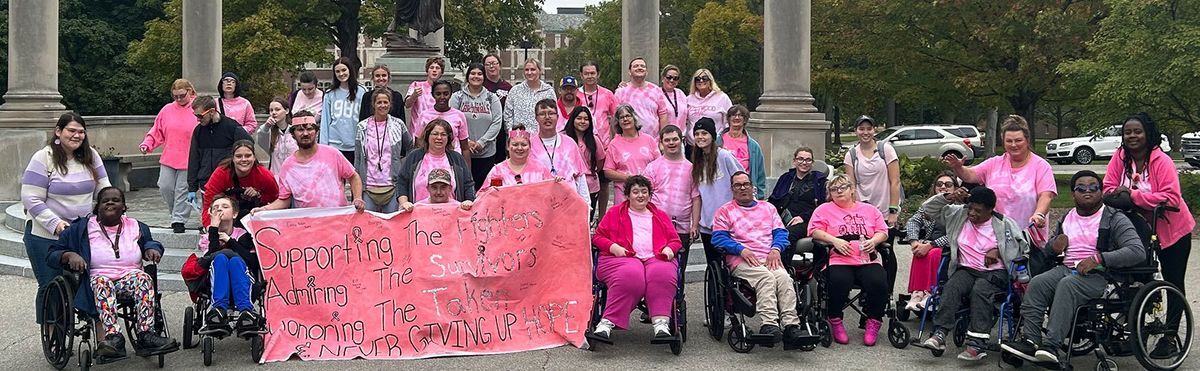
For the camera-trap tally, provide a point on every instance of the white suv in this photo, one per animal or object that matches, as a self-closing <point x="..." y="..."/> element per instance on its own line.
<point x="1083" y="150"/>
<point x="1191" y="148"/>
<point x="931" y="140"/>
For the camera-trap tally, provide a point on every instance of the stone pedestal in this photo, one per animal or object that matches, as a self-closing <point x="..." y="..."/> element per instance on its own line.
<point x="786" y="117"/>
<point x="639" y="34"/>
<point x="202" y="44"/>
<point x="32" y="104"/>
<point x="407" y="65"/>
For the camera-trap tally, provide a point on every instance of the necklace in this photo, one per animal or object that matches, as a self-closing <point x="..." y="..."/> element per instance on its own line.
<point x="116" y="241"/>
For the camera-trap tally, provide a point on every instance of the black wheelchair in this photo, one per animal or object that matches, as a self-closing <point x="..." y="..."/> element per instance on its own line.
<point x="193" y="319"/>
<point x="725" y="295"/>
<point x="678" y="318"/>
<point x="63" y="322"/>
<point x="1131" y="317"/>
<point x="1007" y="312"/>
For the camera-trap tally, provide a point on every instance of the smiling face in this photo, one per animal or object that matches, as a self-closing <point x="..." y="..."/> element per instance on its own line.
<point x="703" y="83"/>
<point x="737" y="122"/>
<point x="703" y="138"/>
<point x="381" y="78"/>
<point x="243" y="160"/>
<point x="110" y="205"/>
<point x="743" y="189"/>
<point x="1086" y="192"/>
<point x="625" y="119"/>
<point x="439" y="193"/>
<point x="518" y="148"/>
<point x="71" y="136"/>
<point x="583" y="121"/>
<point x="637" y="69"/>
<point x="865" y="132"/>
<point x="438" y="137"/>
<point x="532" y="72"/>
<point x="639" y="197"/>
<point x="1015" y="143"/>
<point x="475" y="77"/>
<point x="670" y="80"/>
<point x="441" y="95"/>
<point x="222" y="209"/>
<point x="492" y="65"/>
<point x="1133" y="135"/>
<point x="342" y="72"/>
<point x="943" y="184"/>
<point x="803" y="161"/>
<point x="671" y="143"/>
<point x="382" y="104"/>
<point x="277" y="111"/>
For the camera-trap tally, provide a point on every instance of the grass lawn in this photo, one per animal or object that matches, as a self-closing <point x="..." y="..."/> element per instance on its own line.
<point x="1063" y="200"/>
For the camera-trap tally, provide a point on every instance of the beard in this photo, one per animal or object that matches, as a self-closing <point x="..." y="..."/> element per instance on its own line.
<point x="306" y="145"/>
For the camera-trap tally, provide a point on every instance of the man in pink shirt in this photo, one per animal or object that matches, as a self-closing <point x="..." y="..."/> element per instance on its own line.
<point x="601" y="101"/>
<point x="674" y="191"/>
<point x="646" y="98"/>
<point x="556" y="150"/>
<point x="752" y="236"/>
<point x="313" y="176"/>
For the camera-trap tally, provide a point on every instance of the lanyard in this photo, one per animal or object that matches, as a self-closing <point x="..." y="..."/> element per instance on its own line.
<point x="674" y="100"/>
<point x="550" y="153"/>
<point x="379" y="139"/>
<point x="115" y="242"/>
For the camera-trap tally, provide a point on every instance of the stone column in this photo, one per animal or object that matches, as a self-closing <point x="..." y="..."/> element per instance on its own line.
<point x="786" y="118"/>
<point x="32" y="60"/>
<point x="202" y="44"/>
<point x="639" y="35"/>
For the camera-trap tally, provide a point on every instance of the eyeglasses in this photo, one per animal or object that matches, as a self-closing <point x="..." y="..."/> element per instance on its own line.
<point x="804" y="160"/>
<point x="671" y="78"/>
<point x="742" y="185"/>
<point x="839" y="188"/>
<point x="547" y="114"/>
<point x="492" y="64"/>
<point x="943" y="184"/>
<point x="228" y="79"/>
<point x="1087" y="188"/>
<point x="179" y="96"/>
<point x="701" y="79"/>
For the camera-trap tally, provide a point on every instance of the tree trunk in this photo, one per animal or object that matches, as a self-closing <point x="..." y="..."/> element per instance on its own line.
<point x="346" y="32"/>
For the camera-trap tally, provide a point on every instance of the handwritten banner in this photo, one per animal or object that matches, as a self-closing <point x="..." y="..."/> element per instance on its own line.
<point x="512" y="274"/>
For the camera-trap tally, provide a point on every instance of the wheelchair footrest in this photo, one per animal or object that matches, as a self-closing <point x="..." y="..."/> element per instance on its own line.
<point x="666" y="340"/>
<point x="762" y="340"/>
<point x="106" y="360"/>
<point x="591" y="338"/>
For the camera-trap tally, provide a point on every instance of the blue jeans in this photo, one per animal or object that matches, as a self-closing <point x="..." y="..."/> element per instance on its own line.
<point x="38" y="248"/>
<point x="229" y="274"/>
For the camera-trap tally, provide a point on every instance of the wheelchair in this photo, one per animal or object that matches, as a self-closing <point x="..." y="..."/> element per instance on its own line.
<point x="897" y="333"/>
<point x="63" y="322"/>
<point x="726" y="295"/>
<point x="193" y="318"/>
<point x="678" y="318"/>
<point x="1007" y="312"/>
<point x="1131" y="316"/>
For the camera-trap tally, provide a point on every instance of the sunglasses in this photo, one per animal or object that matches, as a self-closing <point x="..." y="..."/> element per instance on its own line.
<point x="701" y="79"/>
<point x="518" y="178"/>
<point x="179" y="96"/>
<point x="591" y="101"/>
<point x="1087" y="188"/>
<point x="671" y="78"/>
<point x="200" y="116"/>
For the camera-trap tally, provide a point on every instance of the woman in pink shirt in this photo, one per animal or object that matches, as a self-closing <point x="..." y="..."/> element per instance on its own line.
<point x="629" y="152"/>
<point x="706" y="100"/>
<point x="233" y="104"/>
<point x="517" y="169"/>
<point x="854" y="229"/>
<point x="638" y="246"/>
<point x="745" y="149"/>
<point x="677" y="100"/>
<point x="592" y="151"/>
<point x="1142" y="173"/>
<point x="441" y="110"/>
<point x="173" y="131"/>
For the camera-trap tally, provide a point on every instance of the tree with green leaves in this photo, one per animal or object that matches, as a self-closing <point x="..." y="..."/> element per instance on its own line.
<point x="727" y="39"/>
<point x="476" y="25"/>
<point x="596" y="41"/>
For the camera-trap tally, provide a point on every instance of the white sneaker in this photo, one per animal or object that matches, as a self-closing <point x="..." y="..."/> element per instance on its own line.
<point x="604" y="328"/>
<point x="662" y="328"/>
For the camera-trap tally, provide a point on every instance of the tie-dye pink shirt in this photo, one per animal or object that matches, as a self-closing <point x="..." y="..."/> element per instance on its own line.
<point x="673" y="189"/>
<point x="648" y="102"/>
<point x="630" y="156"/>
<point x="1081" y="232"/>
<point x="973" y="244"/>
<point x="1017" y="190"/>
<point x="318" y="182"/>
<point x="456" y="118"/>
<point x="750" y="226"/>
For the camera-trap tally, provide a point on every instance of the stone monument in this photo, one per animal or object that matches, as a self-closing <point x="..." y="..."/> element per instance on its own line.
<point x="414" y="35"/>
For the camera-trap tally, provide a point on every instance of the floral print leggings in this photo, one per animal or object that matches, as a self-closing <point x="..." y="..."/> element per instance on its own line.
<point x="135" y="284"/>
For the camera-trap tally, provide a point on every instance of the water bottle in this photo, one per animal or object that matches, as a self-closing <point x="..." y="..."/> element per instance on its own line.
<point x="1022" y="273"/>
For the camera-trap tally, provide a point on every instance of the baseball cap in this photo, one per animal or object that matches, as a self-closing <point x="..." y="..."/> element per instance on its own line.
<point x="439" y="176"/>
<point x="568" y="80"/>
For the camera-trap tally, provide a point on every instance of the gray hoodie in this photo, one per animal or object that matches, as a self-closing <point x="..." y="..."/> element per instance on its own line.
<point x="484" y="117"/>
<point x="1012" y="241"/>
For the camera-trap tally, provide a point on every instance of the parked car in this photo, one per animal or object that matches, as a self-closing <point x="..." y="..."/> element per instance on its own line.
<point x="932" y="140"/>
<point x="1191" y="149"/>
<point x="1085" y="149"/>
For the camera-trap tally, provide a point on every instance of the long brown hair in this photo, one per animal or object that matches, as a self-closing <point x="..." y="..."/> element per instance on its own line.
<point x="82" y="155"/>
<point x="287" y="117"/>
<point x="227" y="163"/>
<point x="704" y="165"/>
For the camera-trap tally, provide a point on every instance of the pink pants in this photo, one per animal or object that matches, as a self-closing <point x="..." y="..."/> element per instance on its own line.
<point x="630" y="279"/>
<point x="923" y="274"/>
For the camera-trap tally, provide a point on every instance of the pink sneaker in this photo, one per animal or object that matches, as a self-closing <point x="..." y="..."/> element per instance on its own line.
<point x="873" y="326"/>
<point x="839" y="331"/>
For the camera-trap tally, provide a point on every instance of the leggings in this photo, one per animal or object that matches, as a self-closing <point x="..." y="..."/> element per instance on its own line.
<point x="1174" y="260"/>
<point x="870" y="277"/>
<point x="135" y="284"/>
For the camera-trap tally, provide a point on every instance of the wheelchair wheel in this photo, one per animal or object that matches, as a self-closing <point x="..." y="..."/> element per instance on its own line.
<point x="189" y="330"/>
<point x="256" y="348"/>
<point x="714" y="303"/>
<point x="681" y="320"/>
<point x="59" y="323"/>
<point x="206" y="346"/>
<point x="739" y="339"/>
<point x="1107" y="364"/>
<point x="1150" y="325"/>
<point x="85" y="359"/>
<point x="960" y="332"/>
<point x="676" y="347"/>
<point x="826" y="332"/>
<point x="897" y="334"/>
<point x="1083" y="343"/>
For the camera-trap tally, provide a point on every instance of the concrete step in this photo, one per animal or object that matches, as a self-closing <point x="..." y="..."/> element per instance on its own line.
<point x="14" y="219"/>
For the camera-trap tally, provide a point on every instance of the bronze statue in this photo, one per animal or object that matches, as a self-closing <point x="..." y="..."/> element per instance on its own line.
<point x="424" y="16"/>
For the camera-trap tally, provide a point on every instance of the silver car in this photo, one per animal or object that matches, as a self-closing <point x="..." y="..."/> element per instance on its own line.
<point x="931" y="140"/>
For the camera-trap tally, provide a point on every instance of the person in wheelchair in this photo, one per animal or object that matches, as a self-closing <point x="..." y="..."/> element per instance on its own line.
<point x="854" y="229"/>
<point x="231" y="260"/>
<point x="638" y="245"/>
<point x="982" y="244"/>
<point x="797" y="193"/>
<point x="107" y="248"/>
<point x="927" y="238"/>
<point x="751" y="235"/>
<point x="1090" y="238"/>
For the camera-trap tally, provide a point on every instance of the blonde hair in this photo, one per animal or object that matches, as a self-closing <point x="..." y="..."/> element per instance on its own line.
<point x="712" y="81"/>
<point x="183" y="84"/>
<point x="837" y="181"/>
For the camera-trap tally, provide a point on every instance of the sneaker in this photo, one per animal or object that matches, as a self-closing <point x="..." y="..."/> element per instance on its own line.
<point x="216" y="323"/>
<point x="662" y="328"/>
<point x="972" y="353"/>
<point x="936" y="340"/>
<point x="177" y="228"/>
<point x="916" y="301"/>
<point x="112" y="347"/>
<point x="1023" y="348"/>
<point x="249" y="323"/>
<point x="774" y="331"/>
<point x="149" y="343"/>
<point x="1167" y="348"/>
<point x="792" y="333"/>
<point x="838" y="330"/>
<point x="603" y="329"/>
<point x="873" y="326"/>
<point x="1047" y="354"/>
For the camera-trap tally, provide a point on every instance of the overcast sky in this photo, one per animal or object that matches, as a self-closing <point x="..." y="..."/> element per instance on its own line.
<point x="551" y="6"/>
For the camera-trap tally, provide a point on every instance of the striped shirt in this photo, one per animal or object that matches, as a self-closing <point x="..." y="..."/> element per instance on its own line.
<point x="51" y="197"/>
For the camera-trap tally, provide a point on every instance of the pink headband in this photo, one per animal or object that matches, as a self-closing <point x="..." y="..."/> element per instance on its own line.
<point x="518" y="134"/>
<point x="304" y="120"/>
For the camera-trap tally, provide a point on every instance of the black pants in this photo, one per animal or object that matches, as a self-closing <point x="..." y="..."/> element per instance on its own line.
<point x="871" y="278"/>
<point x="480" y="166"/>
<point x="980" y="287"/>
<point x="710" y="252"/>
<point x="592" y="218"/>
<point x="1174" y="261"/>
<point x="349" y="156"/>
<point x="888" y="258"/>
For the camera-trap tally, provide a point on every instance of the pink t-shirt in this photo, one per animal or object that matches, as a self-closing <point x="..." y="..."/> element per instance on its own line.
<point x="172" y="129"/>
<point x="379" y="154"/>
<point x="714" y="106"/>
<point x="593" y="180"/>
<point x="457" y="120"/>
<point x="104" y="261"/>
<point x="1081" y="232"/>
<point x="973" y="243"/>
<point x="425" y="100"/>
<point x="534" y="171"/>
<point x="421" y="178"/>
<point x="318" y="182"/>
<point x="648" y="102"/>
<point x="749" y="226"/>
<point x="235" y="234"/>
<point x="740" y="147"/>
<point x="240" y="110"/>
<point x="603" y="104"/>
<point x="643" y="233"/>
<point x="314" y="105"/>
<point x="862" y="219"/>
<point x="560" y="154"/>
<point x="871" y="174"/>
<point x="1017" y="189"/>
<point x="677" y="108"/>
<point x="673" y="189"/>
<point x="630" y="156"/>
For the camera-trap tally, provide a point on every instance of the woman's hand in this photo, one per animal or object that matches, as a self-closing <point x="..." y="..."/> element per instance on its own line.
<point x="144" y="148"/>
<point x="75" y="262"/>
<point x="617" y="250"/>
<point x="920" y="248"/>
<point x="62" y="226"/>
<point x="952" y="161"/>
<point x="841" y="246"/>
<point x="250" y="192"/>
<point x="406" y="206"/>
<point x="795" y="220"/>
<point x="466" y="205"/>
<point x="991" y="257"/>
<point x="257" y="210"/>
<point x="558" y="179"/>
<point x="474" y="147"/>
<point x="867" y="246"/>
<point x="359" y="204"/>
<point x="670" y="255"/>
<point x="1038" y="220"/>
<point x="890" y="219"/>
<point x="152" y="255"/>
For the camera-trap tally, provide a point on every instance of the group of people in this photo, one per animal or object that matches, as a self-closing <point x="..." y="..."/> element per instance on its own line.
<point x="682" y="166"/>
